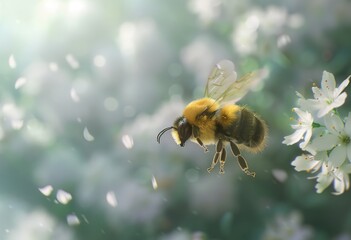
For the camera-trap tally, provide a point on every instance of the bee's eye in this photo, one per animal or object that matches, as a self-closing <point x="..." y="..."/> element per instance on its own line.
<point x="184" y="130"/>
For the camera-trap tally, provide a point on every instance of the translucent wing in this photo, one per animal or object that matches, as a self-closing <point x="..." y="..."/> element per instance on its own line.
<point x="223" y="85"/>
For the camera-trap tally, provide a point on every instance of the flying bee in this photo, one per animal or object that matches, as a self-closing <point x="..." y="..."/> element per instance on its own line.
<point x="215" y="119"/>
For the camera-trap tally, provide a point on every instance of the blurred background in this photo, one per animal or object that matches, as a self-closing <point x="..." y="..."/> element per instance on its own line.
<point x="85" y="87"/>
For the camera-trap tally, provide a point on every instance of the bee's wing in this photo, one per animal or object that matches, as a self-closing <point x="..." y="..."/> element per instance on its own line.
<point x="223" y="85"/>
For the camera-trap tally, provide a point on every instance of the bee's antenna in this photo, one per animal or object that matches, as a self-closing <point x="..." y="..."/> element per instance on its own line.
<point x="159" y="135"/>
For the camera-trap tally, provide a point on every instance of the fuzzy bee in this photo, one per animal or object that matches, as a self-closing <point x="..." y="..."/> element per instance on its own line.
<point x="215" y="119"/>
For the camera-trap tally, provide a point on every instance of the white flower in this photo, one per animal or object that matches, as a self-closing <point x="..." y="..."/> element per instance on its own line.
<point x="245" y="35"/>
<point x="342" y="180"/>
<point x="340" y="177"/>
<point x="325" y="137"/>
<point x="288" y="227"/>
<point x="324" y="179"/>
<point x="327" y="97"/>
<point x="306" y="104"/>
<point x="308" y="162"/>
<point x="337" y="140"/>
<point x="303" y="129"/>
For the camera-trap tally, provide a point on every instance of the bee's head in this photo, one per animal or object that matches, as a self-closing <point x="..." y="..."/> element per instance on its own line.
<point x="181" y="131"/>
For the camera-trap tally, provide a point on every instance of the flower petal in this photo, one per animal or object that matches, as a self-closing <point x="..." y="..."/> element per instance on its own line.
<point x="294" y="138"/>
<point x="325" y="142"/>
<point x="346" y="168"/>
<point x="304" y="163"/>
<point x="325" y="109"/>
<point x="347" y="181"/>
<point x="308" y="136"/>
<point x="342" y="86"/>
<point x="318" y="93"/>
<point x="340" y="100"/>
<point x="334" y="124"/>
<point x="328" y="83"/>
<point x="348" y="152"/>
<point x="338" y="156"/>
<point x="339" y="185"/>
<point x="348" y="125"/>
<point x="304" y="116"/>
<point x="308" y="104"/>
<point x="324" y="180"/>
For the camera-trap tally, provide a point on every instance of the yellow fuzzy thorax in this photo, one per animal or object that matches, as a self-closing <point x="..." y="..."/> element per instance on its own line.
<point x="195" y="108"/>
<point x="206" y="125"/>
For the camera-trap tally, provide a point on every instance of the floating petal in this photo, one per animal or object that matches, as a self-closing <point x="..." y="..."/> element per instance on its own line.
<point x="111" y="199"/>
<point x="71" y="60"/>
<point x="280" y="175"/>
<point x="20" y="82"/>
<point x="12" y="62"/>
<point x="47" y="190"/>
<point x="154" y="183"/>
<point x="110" y="104"/>
<point x="99" y="61"/>
<point x="53" y="66"/>
<point x="87" y="135"/>
<point x="63" y="197"/>
<point x="74" y="95"/>
<point x="73" y="220"/>
<point x="127" y="141"/>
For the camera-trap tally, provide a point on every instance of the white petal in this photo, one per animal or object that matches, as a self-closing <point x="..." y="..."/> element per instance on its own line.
<point x="299" y="95"/>
<point x="348" y="125"/>
<point x="334" y="124"/>
<point x="20" y="82"/>
<point x="339" y="186"/>
<point x="338" y="156"/>
<point x="304" y="163"/>
<point x="87" y="135"/>
<point x="348" y="152"/>
<point x="12" y="61"/>
<point x="72" y="61"/>
<point x="318" y="93"/>
<point x="328" y="83"/>
<point x="342" y="86"/>
<point x="72" y="220"/>
<point x="341" y="181"/>
<point x="346" y="168"/>
<point x="310" y="148"/>
<point x="111" y="199"/>
<point x="324" y="180"/>
<point x="127" y="141"/>
<point x="154" y="182"/>
<point x="305" y="117"/>
<point x="321" y="156"/>
<point x="347" y="181"/>
<point x="63" y="196"/>
<point x="47" y="190"/>
<point x="325" y="142"/>
<point x="340" y="100"/>
<point x="306" y="104"/>
<point x="325" y="109"/>
<point x="308" y="136"/>
<point x="74" y="95"/>
<point x="294" y="138"/>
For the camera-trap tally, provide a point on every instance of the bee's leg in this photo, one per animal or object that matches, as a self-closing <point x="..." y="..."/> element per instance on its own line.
<point x="201" y="144"/>
<point x="219" y="148"/>
<point x="223" y="157"/>
<point x="196" y="134"/>
<point x="241" y="160"/>
<point x="214" y="162"/>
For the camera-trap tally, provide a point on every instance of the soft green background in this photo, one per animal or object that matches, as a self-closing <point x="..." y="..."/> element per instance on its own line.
<point x="85" y="86"/>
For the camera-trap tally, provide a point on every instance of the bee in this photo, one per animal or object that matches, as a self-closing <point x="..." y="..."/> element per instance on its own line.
<point x="216" y="119"/>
